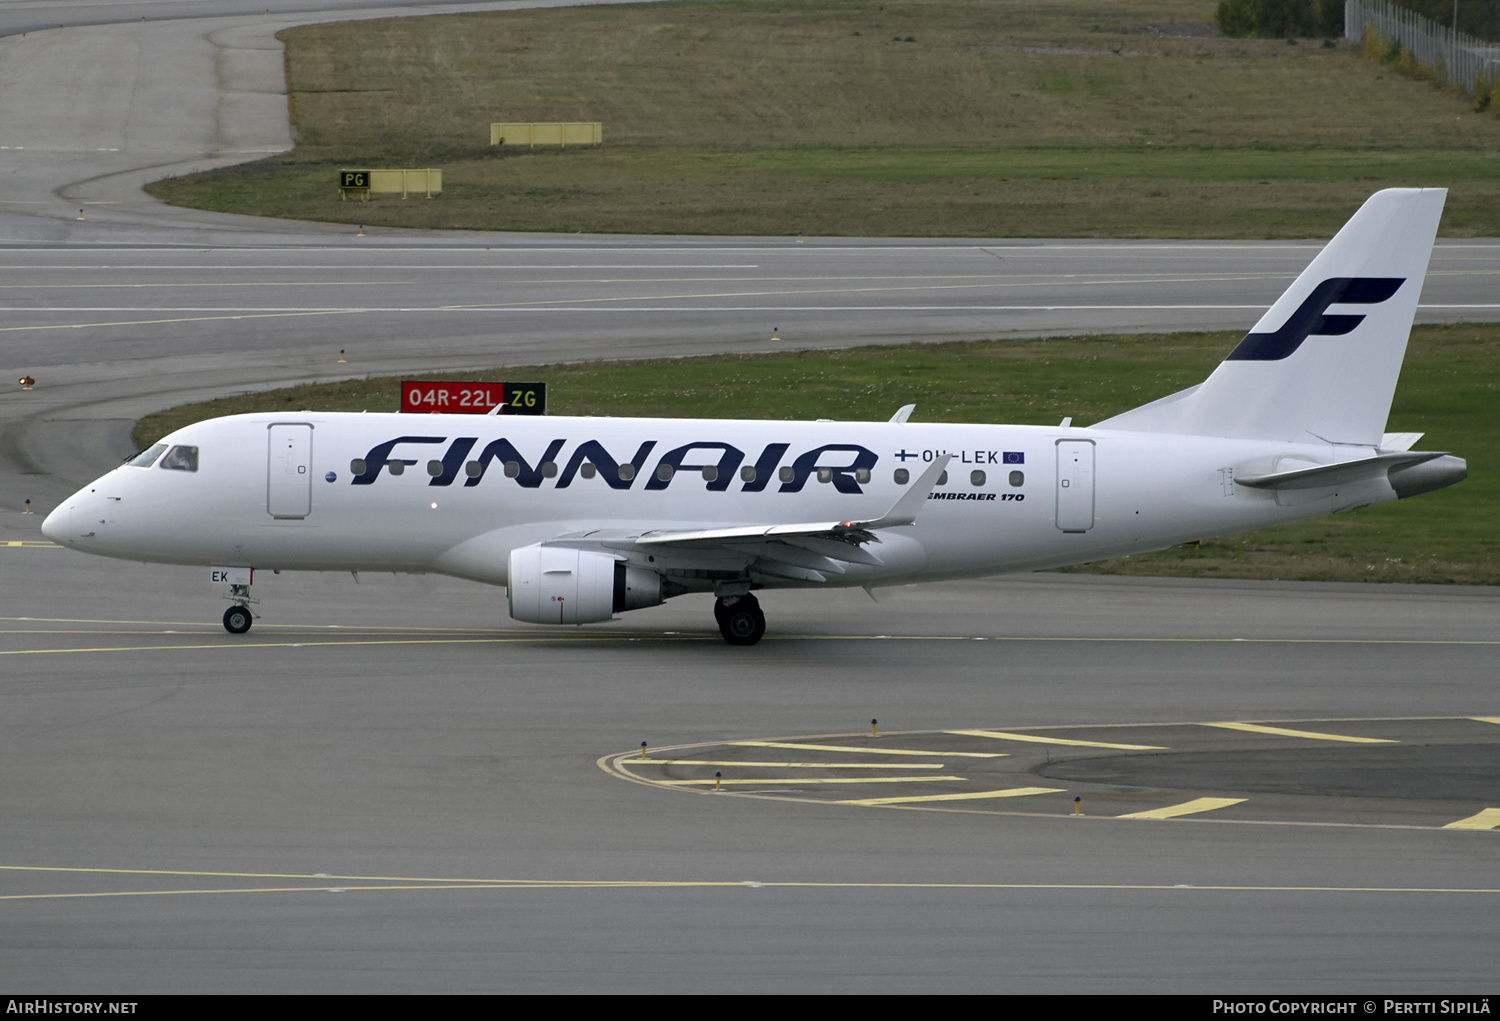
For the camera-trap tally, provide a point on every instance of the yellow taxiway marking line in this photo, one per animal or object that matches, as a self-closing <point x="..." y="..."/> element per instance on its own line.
<point x="184" y="319"/>
<point x="270" y="889"/>
<point x="1186" y="808"/>
<point x="642" y="636"/>
<point x="339" y="628"/>
<point x="326" y="877"/>
<point x="1001" y="735"/>
<point x="29" y="544"/>
<point x="867" y="751"/>
<point x="803" y="779"/>
<point x="327" y="883"/>
<point x="1486" y="820"/>
<point x="230" y="646"/>
<point x="1014" y="792"/>
<point x="1311" y="735"/>
<point x="1486" y="719"/>
<point x="707" y="636"/>
<point x="784" y="765"/>
<point x="184" y="285"/>
<point x="200" y="630"/>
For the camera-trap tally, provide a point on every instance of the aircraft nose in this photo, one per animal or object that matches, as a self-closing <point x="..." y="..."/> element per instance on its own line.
<point x="56" y="525"/>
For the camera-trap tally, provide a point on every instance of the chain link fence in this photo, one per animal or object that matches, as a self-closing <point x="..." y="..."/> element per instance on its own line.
<point x="1461" y="59"/>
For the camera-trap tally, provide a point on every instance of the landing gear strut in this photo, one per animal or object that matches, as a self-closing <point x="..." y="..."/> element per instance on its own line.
<point x="237" y="619"/>
<point x="741" y="621"/>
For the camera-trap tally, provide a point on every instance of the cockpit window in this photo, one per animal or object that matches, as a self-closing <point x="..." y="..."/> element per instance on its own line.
<point x="147" y="457"/>
<point x="181" y="459"/>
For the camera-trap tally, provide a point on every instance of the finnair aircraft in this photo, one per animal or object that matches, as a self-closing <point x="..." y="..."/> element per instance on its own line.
<point x="584" y="518"/>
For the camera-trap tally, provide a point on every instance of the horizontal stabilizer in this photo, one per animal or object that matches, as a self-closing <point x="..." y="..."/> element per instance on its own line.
<point x="1324" y="475"/>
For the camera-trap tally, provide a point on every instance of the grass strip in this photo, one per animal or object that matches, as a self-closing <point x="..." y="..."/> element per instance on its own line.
<point x="918" y="118"/>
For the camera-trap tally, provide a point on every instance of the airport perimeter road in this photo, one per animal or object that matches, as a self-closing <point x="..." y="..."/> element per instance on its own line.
<point x="388" y="786"/>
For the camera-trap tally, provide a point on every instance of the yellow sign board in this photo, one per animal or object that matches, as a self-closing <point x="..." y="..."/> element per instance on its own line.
<point x="428" y="182"/>
<point x="534" y="134"/>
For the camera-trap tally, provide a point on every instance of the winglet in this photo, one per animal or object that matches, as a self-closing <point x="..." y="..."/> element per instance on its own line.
<point x="903" y="412"/>
<point x="904" y="510"/>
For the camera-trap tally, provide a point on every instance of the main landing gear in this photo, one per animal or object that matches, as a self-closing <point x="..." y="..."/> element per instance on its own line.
<point x="741" y="621"/>
<point x="237" y="619"/>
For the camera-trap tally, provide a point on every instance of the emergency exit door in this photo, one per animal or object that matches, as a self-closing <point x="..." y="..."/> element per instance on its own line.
<point x="289" y="471"/>
<point x="1075" y="485"/>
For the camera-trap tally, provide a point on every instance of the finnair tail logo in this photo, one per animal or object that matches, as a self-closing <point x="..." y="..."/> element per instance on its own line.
<point x="1310" y="318"/>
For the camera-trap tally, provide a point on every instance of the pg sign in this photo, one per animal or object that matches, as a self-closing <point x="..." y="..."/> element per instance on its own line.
<point x="355" y="182"/>
<point x="427" y="398"/>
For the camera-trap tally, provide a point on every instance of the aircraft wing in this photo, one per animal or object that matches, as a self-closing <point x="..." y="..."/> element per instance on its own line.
<point x="902" y="512"/>
<point x="800" y="551"/>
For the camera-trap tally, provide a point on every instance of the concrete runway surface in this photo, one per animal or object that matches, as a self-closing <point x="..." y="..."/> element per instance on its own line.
<point x="389" y="786"/>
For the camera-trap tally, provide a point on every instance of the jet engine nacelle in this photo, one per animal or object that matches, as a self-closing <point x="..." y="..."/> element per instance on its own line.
<point x="560" y="585"/>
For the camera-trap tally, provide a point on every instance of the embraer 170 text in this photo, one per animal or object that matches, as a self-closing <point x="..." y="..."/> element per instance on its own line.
<point x="583" y="518"/>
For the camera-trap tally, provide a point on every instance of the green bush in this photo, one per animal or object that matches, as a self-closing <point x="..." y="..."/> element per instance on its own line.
<point x="1271" y="19"/>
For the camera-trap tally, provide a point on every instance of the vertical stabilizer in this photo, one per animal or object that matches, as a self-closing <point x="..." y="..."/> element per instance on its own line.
<point x="1322" y="363"/>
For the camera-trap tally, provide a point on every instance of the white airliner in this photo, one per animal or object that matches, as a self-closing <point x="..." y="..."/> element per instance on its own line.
<point x="583" y="518"/>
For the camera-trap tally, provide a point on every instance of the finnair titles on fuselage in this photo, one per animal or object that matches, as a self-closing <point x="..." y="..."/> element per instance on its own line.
<point x="584" y="518"/>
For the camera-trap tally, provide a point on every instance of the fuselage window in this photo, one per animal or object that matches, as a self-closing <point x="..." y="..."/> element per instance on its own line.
<point x="181" y="459"/>
<point x="902" y="476"/>
<point x="943" y="479"/>
<point x="747" y="473"/>
<point x="861" y="475"/>
<point x="1017" y="478"/>
<point x="710" y="473"/>
<point x="786" y="474"/>
<point x="435" y="468"/>
<point x="549" y="469"/>
<point x="587" y="470"/>
<point x="147" y="457"/>
<point x="976" y="478"/>
<point x="664" y="472"/>
<point x="825" y="474"/>
<point x="627" y="471"/>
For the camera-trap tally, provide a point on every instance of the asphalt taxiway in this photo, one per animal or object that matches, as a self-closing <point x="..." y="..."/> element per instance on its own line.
<point x="388" y="786"/>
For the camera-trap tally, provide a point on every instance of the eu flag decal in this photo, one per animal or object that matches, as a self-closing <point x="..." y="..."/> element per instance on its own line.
<point x="1014" y="457"/>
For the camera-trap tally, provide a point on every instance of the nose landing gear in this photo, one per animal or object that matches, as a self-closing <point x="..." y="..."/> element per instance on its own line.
<point x="740" y="619"/>
<point x="237" y="619"/>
